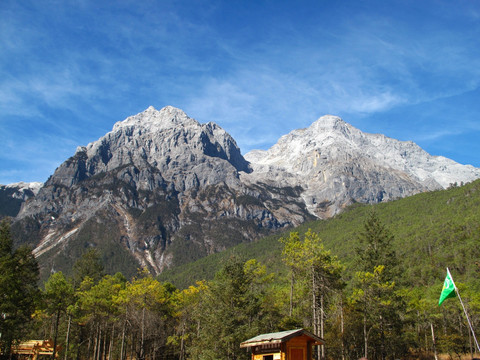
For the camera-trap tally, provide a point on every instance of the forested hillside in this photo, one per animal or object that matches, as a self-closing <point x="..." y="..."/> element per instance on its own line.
<point x="426" y="233"/>
<point x="431" y="230"/>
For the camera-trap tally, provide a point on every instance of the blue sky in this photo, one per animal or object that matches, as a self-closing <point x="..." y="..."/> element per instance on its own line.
<point x="70" y="69"/>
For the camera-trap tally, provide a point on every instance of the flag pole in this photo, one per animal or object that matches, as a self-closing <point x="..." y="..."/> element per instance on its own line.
<point x="464" y="310"/>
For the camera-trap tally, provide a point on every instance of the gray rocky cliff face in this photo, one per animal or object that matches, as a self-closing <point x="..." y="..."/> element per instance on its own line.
<point x="162" y="189"/>
<point x="167" y="140"/>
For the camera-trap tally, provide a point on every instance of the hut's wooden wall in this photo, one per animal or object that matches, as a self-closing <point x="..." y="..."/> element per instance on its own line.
<point x="297" y="348"/>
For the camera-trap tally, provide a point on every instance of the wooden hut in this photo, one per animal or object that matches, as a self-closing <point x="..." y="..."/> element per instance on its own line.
<point x="35" y="349"/>
<point x="284" y="345"/>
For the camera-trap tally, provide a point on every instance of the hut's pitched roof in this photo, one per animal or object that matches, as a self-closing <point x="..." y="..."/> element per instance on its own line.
<point x="279" y="337"/>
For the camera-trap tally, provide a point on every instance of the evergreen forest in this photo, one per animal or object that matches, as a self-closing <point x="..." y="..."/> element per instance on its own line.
<point x="367" y="281"/>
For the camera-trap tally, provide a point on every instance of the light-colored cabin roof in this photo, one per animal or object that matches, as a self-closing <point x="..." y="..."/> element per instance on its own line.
<point x="279" y="337"/>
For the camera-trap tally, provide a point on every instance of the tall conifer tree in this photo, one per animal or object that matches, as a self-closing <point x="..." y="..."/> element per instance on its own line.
<point x="18" y="289"/>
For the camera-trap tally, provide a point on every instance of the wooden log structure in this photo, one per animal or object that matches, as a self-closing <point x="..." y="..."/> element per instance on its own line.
<point x="285" y="345"/>
<point x="35" y="349"/>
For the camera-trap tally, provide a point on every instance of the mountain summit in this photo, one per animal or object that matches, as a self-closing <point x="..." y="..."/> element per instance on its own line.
<point x="159" y="189"/>
<point x="337" y="164"/>
<point x="152" y="119"/>
<point x="167" y="140"/>
<point x="163" y="189"/>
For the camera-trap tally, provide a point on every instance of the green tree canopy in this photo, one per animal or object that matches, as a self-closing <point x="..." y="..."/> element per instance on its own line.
<point x="376" y="248"/>
<point x="89" y="265"/>
<point x="230" y="311"/>
<point x="58" y="295"/>
<point x="18" y="289"/>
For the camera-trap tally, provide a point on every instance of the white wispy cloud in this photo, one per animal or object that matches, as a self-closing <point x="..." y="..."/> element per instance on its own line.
<point x="437" y="134"/>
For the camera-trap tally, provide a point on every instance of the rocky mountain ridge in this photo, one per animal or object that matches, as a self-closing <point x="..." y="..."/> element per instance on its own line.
<point x="12" y="196"/>
<point x="337" y="163"/>
<point x="159" y="189"/>
<point x="162" y="189"/>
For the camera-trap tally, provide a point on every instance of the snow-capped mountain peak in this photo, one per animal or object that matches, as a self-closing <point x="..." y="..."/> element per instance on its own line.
<point x="22" y="186"/>
<point x="332" y="159"/>
<point x="152" y="119"/>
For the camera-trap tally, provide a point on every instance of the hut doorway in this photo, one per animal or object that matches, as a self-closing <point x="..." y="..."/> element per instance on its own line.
<point x="296" y="354"/>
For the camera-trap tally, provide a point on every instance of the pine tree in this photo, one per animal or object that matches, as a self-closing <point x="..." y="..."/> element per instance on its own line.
<point x="230" y="311"/>
<point x="376" y="248"/>
<point x="58" y="295"/>
<point x="318" y="269"/>
<point x="375" y="292"/>
<point x="89" y="265"/>
<point x="18" y="289"/>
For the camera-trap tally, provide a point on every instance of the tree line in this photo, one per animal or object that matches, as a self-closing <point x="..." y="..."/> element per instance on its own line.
<point x="364" y="309"/>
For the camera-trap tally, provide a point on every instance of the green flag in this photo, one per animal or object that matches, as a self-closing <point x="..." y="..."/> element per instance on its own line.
<point x="448" y="290"/>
